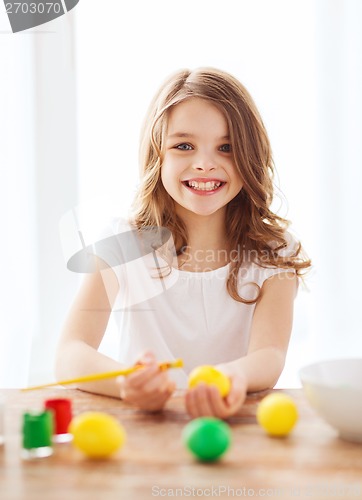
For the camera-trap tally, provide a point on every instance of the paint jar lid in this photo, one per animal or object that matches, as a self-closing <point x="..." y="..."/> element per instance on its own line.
<point x="62" y="410"/>
<point x="37" y="429"/>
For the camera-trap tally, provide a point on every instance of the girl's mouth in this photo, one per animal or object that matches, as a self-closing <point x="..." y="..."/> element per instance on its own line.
<point x="208" y="187"/>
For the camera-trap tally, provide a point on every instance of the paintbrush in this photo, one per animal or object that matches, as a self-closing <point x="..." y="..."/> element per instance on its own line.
<point x="177" y="363"/>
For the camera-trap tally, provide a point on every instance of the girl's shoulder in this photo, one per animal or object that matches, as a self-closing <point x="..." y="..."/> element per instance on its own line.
<point x="273" y="260"/>
<point x="290" y="248"/>
<point x="112" y="233"/>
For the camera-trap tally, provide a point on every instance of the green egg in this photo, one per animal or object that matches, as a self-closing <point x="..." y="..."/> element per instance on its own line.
<point x="207" y="438"/>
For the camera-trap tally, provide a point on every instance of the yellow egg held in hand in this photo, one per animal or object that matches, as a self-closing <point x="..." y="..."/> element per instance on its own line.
<point x="277" y="414"/>
<point x="211" y="376"/>
<point x="97" y="434"/>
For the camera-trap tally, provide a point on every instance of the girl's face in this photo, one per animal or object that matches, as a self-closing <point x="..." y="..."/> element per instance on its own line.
<point x="198" y="171"/>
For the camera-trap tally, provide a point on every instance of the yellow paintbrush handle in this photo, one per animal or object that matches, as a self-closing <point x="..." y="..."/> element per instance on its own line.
<point x="178" y="363"/>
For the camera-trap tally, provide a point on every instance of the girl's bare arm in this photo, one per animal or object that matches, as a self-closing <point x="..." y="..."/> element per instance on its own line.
<point x="77" y="353"/>
<point x="270" y="334"/>
<point x="264" y="362"/>
<point x="83" y="332"/>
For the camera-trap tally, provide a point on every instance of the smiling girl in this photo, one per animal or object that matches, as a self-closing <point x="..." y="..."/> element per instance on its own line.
<point x="227" y="298"/>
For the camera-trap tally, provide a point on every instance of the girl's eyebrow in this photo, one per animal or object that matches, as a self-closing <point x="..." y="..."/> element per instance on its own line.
<point x="186" y="134"/>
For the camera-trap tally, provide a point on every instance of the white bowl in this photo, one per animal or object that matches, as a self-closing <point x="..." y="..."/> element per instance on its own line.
<point x="334" y="389"/>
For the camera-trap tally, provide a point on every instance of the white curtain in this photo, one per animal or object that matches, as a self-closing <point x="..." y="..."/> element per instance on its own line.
<point x="336" y="183"/>
<point x="38" y="184"/>
<point x="18" y="284"/>
<point x="301" y="62"/>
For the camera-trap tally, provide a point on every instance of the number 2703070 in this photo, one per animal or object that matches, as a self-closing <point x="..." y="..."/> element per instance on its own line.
<point x="33" y="8"/>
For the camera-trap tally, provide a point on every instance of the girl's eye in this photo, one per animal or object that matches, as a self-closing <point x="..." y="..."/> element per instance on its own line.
<point x="226" y="148"/>
<point x="183" y="147"/>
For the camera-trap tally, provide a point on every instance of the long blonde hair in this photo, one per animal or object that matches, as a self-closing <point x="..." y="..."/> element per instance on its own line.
<point x="250" y="223"/>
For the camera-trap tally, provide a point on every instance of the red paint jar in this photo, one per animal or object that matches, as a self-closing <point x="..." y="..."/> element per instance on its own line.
<point x="62" y="415"/>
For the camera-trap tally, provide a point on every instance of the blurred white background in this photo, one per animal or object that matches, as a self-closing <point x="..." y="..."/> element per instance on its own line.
<point x="73" y="94"/>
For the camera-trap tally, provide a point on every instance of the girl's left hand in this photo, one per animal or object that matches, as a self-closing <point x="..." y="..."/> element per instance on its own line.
<point x="205" y="400"/>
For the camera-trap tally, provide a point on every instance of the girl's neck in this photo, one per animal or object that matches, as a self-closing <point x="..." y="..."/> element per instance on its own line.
<point x="207" y="242"/>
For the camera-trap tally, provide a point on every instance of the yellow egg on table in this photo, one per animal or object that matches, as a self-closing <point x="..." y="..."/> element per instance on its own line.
<point x="277" y="414"/>
<point x="211" y="376"/>
<point x="97" y="434"/>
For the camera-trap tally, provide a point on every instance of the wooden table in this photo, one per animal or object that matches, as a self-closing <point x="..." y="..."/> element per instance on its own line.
<point x="311" y="463"/>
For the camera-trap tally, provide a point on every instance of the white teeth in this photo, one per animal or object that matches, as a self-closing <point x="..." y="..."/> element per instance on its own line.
<point x="204" y="186"/>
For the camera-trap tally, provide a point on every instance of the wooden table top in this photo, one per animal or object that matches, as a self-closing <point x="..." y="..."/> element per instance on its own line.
<point x="311" y="462"/>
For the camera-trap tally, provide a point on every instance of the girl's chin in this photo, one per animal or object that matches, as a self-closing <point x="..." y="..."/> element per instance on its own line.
<point x="198" y="211"/>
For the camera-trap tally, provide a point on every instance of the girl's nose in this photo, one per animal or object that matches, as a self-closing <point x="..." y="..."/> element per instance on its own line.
<point x="205" y="164"/>
<point x="205" y="168"/>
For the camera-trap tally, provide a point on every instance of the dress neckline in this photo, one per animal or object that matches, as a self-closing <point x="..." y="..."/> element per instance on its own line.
<point x="203" y="273"/>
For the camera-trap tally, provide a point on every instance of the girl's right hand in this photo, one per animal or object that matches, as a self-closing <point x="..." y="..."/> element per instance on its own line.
<point x="148" y="388"/>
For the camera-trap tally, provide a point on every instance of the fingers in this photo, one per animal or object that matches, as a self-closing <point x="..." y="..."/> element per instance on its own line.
<point x="147" y="388"/>
<point x="146" y="357"/>
<point x="147" y="398"/>
<point x="201" y="403"/>
<point x="141" y="377"/>
<point x="237" y="392"/>
<point x="205" y="400"/>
